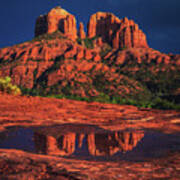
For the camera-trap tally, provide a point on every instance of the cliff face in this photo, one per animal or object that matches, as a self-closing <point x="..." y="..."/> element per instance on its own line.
<point x="140" y="56"/>
<point x="103" y="24"/>
<point x="81" y="32"/>
<point x="60" y="65"/>
<point x="57" y="19"/>
<point x="119" y="33"/>
<point x="122" y="33"/>
<point x="55" y="63"/>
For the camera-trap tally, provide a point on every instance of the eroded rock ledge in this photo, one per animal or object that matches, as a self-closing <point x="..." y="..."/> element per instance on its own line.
<point x="120" y="33"/>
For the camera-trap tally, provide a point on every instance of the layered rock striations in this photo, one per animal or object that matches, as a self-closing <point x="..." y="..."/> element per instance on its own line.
<point x="122" y="33"/>
<point x="81" y="32"/>
<point x="56" y="63"/>
<point x="60" y="65"/>
<point x="57" y="19"/>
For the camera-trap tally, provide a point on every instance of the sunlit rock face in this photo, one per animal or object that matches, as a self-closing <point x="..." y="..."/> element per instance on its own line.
<point x="100" y="144"/>
<point x="57" y="19"/>
<point x="81" y="32"/>
<point x="55" y="63"/>
<point x="120" y="33"/>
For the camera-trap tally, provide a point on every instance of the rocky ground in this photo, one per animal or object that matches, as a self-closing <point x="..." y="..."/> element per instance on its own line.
<point x="104" y="61"/>
<point x="36" y="111"/>
<point x="20" y="165"/>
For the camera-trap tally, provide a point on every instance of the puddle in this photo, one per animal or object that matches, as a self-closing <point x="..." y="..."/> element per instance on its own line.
<point x="91" y="142"/>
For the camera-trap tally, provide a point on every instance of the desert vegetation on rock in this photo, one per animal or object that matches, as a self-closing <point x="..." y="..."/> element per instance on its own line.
<point x="7" y="87"/>
<point x="111" y="63"/>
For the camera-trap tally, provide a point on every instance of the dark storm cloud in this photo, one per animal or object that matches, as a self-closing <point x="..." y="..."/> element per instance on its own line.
<point x="161" y="21"/>
<point x="162" y="13"/>
<point x="158" y="18"/>
<point x="157" y="12"/>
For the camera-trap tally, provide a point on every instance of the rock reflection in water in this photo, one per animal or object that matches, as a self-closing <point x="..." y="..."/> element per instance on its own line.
<point x="96" y="144"/>
<point x="109" y="144"/>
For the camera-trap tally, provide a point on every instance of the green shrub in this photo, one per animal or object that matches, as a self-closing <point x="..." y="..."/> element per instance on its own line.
<point x="105" y="50"/>
<point x="87" y="42"/>
<point x="7" y="87"/>
<point x="159" y="103"/>
<point x="102" y="97"/>
<point x="55" y="35"/>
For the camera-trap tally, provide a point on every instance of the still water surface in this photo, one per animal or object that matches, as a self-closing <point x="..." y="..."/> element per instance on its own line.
<point x="91" y="142"/>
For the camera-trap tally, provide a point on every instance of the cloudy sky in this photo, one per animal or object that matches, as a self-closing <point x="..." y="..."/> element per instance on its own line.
<point x="159" y="19"/>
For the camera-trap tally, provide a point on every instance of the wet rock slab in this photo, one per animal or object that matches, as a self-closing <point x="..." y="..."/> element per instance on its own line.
<point x="19" y="165"/>
<point x="117" y="125"/>
<point x="90" y="142"/>
<point x="79" y="151"/>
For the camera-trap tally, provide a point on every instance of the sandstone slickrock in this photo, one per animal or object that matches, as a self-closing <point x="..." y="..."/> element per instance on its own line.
<point x="15" y="164"/>
<point x="57" y="61"/>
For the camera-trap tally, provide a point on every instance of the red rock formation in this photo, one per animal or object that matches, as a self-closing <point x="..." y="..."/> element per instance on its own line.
<point x="88" y="54"/>
<point x="98" y="42"/>
<point x="120" y="33"/>
<point x="71" y="52"/>
<point x="41" y="26"/>
<point x="60" y="62"/>
<point x="27" y="62"/>
<point x="129" y="35"/>
<point x="97" y="58"/>
<point x="80" y="53"/>
<point x="101" y="24"/>
<point x="57" y="19"/>
<point x="81" y="32"/>
<point x="140" y="55"/>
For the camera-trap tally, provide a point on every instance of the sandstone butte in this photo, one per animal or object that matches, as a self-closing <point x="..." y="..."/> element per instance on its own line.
<point x="57" y="19"/>
<point x="55" y="56"/>
<point x="120" y="33"/>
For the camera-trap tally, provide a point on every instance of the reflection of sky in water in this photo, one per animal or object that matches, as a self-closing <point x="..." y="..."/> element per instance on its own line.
<point x="91" y="142"/>
<point x="21" y="138"/>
